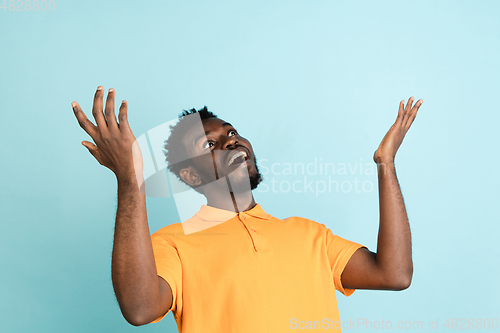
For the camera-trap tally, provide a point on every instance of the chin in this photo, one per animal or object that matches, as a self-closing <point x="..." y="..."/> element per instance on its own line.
<point x="243" y="180"/>
<point x="255" y="177"/>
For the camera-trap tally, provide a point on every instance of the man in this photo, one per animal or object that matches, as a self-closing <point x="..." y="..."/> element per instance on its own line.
<point x="233" y="267"/>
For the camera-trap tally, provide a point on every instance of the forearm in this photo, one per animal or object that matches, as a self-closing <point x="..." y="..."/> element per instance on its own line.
<point x="134" y="275"/>
<point x="394" y="237"/>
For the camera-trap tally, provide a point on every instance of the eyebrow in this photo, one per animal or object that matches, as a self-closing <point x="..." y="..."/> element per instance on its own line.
<point x="226" y="124"/>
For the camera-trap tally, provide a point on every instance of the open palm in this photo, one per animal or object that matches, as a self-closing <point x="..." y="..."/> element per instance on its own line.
<point x="386" y="152"/>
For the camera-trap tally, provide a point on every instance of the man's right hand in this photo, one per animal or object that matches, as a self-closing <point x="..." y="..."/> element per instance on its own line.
<point x="142" y="295"/>
<point x="115" y="145"/>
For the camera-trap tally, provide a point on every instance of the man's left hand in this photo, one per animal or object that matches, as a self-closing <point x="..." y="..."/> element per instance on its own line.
<point x="386" y="152"/>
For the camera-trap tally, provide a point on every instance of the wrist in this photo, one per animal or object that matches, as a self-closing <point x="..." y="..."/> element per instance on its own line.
<point x="385" y="167"/>
<point x="130" y="176"/>
<point x="384" y="160"/>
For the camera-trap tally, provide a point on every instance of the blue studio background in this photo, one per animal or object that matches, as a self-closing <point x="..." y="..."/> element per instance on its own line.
<point x="308" y="83"/>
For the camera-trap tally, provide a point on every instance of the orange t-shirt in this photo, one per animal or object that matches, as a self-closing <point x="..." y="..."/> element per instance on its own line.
<point x="251" y="272"/>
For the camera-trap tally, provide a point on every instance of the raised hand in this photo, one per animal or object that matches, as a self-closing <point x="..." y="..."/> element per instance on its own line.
<point x="115" y="145"/>
<point x="386" y="152"/>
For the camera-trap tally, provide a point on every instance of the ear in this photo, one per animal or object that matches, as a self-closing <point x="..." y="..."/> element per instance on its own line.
<point x="190" y="176"/>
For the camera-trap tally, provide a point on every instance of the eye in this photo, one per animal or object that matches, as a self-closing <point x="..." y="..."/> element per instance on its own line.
<point x="208" y="144"/>
<point x="232" y="133"/>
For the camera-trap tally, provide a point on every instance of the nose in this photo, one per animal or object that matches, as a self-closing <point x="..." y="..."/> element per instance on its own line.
<point x="230" y="142"/>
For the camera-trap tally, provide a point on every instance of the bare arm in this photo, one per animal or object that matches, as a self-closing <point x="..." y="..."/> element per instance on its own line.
<point x="391" y="268"/>
<point x="142" y="295"/>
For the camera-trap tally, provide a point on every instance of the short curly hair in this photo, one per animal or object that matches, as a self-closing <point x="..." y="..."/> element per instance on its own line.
<point x="174" y="150"/>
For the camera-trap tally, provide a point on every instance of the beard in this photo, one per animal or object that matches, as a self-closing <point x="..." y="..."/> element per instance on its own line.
<point x="241" y="184"/>
<point x="255" y="178"/>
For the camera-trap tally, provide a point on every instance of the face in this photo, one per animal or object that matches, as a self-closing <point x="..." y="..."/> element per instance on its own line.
<point x="218" y="151"/>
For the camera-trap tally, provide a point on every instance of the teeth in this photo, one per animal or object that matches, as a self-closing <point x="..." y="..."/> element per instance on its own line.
<point x="235" y="156"/>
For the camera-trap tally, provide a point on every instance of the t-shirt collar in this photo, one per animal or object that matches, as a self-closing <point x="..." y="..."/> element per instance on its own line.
<point x="209" y="213"/>
<point x="257" y="211"/>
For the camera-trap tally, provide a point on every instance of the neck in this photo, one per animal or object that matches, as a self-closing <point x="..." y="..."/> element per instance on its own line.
<point x="220" y="195"/>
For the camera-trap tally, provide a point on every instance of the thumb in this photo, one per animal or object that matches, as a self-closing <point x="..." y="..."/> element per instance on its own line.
<point x="92" y="148"/>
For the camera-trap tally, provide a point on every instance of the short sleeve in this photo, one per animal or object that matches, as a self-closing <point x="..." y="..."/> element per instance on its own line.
<point x="339" y="251"/>
<point x="168" y="267"/>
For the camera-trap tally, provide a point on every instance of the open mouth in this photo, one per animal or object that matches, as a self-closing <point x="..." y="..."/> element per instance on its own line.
<point x="238" y="158"/>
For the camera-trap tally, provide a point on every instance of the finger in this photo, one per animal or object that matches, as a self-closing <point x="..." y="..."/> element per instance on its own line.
<point x="86" y="124"/>
<point x="92" y="149"/>
<point x="109" y="111"/>
<point x="399" y="119"/>
<point x="413" y="114"/>
<point x="97" y="110"/>
<point x="407" y="110"/>
<point x="410" y="102"/>
<point x="122" y="116"/>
